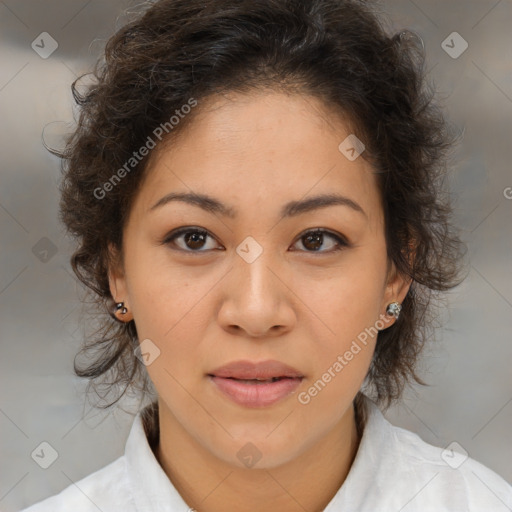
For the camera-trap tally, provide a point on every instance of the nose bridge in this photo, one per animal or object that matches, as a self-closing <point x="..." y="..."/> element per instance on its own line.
<point x="256" y="299"/>
<point x="252" y="269"/>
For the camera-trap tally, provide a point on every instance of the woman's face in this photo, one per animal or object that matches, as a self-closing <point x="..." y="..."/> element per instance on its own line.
<point x="256" y="287"/>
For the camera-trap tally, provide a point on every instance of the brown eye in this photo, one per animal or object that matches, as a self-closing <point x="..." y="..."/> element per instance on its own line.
<point x="194" y="239"/>
<point x="314" y="240"/>
<point x="191" y="240"/>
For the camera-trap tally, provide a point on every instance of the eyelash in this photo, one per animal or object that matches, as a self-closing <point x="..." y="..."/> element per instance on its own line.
<point x="341" y="241"/>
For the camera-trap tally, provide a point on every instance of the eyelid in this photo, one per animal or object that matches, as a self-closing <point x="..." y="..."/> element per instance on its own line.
<point x="325" y="231"/>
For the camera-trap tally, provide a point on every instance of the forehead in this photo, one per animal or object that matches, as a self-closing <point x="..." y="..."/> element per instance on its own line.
<point x="261" y="150"/>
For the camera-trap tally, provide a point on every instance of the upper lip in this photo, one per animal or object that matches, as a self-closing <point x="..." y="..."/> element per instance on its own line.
<point x="256" y="370"/>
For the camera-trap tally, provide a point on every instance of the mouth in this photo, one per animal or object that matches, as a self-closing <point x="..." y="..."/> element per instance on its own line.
<point x="252" y="384"/>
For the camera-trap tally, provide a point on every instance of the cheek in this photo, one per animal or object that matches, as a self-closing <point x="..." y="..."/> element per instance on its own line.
<point x="345" y="312"/>
<point x="170" y="305"/>
<point x="160" y="292"/>
<point x="171" y="314"/>
<point x="348" y="300"/>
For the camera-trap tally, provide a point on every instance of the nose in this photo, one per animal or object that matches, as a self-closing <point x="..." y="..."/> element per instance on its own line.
<point x="257" y="299"/>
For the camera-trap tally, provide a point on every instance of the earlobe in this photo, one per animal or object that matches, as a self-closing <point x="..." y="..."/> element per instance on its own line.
<point x="396" y="290"/>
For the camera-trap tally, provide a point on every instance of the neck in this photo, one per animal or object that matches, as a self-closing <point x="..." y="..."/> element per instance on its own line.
<point x="208" y="484"/>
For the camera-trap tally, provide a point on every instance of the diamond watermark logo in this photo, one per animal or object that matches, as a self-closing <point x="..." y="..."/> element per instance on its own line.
<point x="454" y="45"/>
<point x="249" y="250"/>
<point x="44" y="45"/>
<point x="249" y="455"/>
<point x="44" y="455"/>
<point x="147" y="352"/>
<point x="351" y="147"/>
<point x="454" y="455"/>
<point x="44" y="250"/>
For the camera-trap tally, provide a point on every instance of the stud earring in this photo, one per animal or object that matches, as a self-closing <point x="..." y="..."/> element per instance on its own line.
<point x="394" y="309"/>
<point x="120" y="308"/>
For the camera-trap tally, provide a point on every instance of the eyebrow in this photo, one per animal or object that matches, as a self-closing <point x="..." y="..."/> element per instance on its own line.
<point x="290" y="209"/>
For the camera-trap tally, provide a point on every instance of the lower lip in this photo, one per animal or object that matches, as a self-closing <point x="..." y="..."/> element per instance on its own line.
<point x="256" y="395"/>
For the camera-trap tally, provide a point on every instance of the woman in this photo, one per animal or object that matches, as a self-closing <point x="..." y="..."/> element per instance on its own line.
<point x="256" y="190"/>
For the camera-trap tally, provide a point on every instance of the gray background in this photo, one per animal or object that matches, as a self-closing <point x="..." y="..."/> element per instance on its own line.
<point x="470" y="397"/>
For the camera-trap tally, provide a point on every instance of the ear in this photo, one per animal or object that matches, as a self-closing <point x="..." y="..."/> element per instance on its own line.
<point x="396" y="289"/>
<point x="117" y="280"/>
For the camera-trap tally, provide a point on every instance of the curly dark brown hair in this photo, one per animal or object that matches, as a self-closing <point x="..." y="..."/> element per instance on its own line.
<point x="336" y="50"/>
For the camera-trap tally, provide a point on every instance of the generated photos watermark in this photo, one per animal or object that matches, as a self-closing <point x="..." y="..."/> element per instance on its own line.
<point x="158" y="133"/>
<point x="341" y="362"/>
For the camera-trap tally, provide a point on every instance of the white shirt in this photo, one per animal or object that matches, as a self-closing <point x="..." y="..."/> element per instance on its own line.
<point x="394" y="471"/>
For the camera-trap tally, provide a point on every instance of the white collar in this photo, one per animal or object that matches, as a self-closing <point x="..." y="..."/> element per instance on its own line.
<point x="148" y="483"/>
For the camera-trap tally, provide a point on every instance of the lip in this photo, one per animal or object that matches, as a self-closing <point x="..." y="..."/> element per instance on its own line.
<point x="256" y="370"/>
<point x="231" y="379"/>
